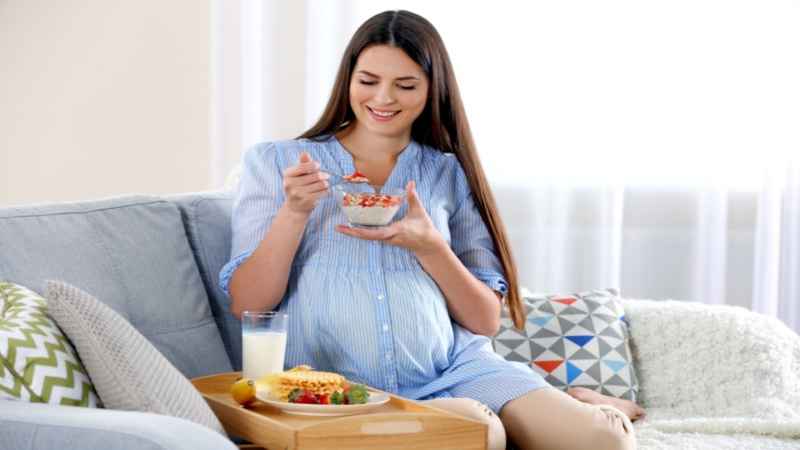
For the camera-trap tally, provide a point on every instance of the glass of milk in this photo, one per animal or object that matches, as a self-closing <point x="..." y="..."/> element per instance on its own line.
<point x="263" y="342"/>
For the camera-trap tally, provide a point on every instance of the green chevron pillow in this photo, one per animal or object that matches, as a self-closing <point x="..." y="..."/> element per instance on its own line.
<point x="37" y="362"/>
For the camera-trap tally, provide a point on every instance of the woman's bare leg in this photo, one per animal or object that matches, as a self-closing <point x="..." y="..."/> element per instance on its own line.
<point x="548" y="419"/>
<point x="634" y="411"/>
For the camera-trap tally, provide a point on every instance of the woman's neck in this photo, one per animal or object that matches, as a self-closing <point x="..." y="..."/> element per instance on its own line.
<point x="367" y="146"/>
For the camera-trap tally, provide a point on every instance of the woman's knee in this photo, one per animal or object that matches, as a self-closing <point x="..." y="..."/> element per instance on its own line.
<point x="473" y="409"/>
<point x="611" y="429"/>
<point x="549" y="419"/>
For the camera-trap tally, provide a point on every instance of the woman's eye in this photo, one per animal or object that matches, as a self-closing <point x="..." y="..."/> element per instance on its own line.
<point x="368" y="83"/>
<point x="407" y="88"/>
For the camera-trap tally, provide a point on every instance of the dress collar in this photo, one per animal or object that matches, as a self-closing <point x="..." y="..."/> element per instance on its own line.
<point x="400" y="171"/>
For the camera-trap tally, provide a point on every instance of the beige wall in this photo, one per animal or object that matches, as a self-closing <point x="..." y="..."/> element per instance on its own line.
<point x="100" y="98"/>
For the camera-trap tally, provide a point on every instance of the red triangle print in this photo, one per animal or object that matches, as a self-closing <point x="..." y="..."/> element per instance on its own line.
<point x="549" y="366"/>
<point x="565" y="300"/>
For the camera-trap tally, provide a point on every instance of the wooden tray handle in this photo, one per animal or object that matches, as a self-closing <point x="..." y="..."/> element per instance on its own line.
<point x="385" y="424"/>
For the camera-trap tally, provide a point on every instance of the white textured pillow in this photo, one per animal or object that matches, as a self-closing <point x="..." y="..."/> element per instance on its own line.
<point x="127" y="371"/>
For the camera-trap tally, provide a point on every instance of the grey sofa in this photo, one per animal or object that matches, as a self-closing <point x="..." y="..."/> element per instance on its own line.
<point x="711" y="377"/>
<point x="155" y="261"/>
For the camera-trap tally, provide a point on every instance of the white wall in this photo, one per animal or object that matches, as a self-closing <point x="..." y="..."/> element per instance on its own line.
<point x="101" y="98"/>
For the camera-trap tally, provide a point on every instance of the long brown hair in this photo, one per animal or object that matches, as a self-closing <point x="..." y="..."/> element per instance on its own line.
<point x="442" y="125"/>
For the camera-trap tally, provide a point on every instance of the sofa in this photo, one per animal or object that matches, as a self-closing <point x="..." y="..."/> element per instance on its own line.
<point x="710" y="377"/>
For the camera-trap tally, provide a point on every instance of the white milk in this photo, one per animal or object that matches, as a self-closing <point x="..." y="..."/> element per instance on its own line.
<point x="262" y="353"/>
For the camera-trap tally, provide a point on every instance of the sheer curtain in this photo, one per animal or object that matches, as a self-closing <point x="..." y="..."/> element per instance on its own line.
<point x="645" y="146"/>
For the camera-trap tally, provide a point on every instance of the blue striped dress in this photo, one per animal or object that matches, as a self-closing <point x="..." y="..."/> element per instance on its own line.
<point x="367" y="309"/>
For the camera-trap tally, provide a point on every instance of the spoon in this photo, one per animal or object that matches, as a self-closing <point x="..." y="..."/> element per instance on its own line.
<point x="355" y="178"/>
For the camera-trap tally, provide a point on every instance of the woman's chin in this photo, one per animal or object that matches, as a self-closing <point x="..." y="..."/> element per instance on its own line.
<point x="386" y="131"/>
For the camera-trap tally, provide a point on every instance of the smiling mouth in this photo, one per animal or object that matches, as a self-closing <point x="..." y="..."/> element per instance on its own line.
<point x="383" y="115"/>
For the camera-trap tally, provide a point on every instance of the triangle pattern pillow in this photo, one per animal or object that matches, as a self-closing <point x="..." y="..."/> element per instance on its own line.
<point x="574" y="340"/>
<point x="37" y="362"/>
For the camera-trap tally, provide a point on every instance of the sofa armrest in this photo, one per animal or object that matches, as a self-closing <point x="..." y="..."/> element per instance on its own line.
<point x="34" y="426"/>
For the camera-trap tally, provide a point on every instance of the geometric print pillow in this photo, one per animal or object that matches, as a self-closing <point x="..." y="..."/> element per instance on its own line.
<point x="37" y="362"/>
<point x="574" y="340"/>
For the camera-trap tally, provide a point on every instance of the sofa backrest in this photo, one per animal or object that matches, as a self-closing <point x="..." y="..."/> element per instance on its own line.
<point x="133" y="254"/>
<point x="207" y="217"/>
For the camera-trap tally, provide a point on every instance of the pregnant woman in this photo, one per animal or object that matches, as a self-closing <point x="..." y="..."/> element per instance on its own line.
<point x="405" y="308"/>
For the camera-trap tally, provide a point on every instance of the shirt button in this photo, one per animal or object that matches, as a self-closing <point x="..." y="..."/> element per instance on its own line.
<point x="380" y="296"/>
<point x="385" y="327"/>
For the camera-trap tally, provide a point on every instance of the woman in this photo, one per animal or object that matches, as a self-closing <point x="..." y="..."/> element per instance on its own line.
<point x="405" y="308"/>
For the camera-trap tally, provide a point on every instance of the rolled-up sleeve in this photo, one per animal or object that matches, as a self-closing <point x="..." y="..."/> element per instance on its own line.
<point x="471" y="241"/>
<point x="260" y="195"/>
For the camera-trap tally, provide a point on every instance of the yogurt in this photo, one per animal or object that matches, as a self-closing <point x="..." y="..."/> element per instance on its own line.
<point x="370" y="209"/>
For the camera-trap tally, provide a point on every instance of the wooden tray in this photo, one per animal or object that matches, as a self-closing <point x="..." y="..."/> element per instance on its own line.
<point x="398" y="424"/>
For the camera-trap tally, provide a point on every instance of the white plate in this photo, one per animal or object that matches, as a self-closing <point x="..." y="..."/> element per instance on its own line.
<point x="375" y="399"/>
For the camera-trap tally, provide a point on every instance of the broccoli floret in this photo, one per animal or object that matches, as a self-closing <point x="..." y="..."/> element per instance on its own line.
<point x="357" y="394"/>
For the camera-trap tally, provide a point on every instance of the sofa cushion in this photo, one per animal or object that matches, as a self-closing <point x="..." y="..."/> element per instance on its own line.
<point x="47" y="427"/>
<point x="207" y="217"/>
<point x="37" y="362"/>
<point x="574" y="340"/>
<point x="132" y="252"/>
<point x="128" y="372"/>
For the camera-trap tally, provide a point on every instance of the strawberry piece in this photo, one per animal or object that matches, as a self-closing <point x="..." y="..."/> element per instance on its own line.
<point x="356" y="177"/>
<point x="303" y="396"/>
<point x="309" y="398"/>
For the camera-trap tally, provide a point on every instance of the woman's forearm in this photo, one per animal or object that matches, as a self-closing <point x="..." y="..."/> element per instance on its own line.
<point x="260" y="282"/>
<point x="471" y="303"/>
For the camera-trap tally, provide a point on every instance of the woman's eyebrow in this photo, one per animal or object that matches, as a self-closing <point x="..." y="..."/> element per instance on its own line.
<point x="396" y="79"/>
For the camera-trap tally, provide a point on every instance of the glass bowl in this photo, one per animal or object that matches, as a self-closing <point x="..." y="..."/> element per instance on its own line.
<point x="367" y="207"/>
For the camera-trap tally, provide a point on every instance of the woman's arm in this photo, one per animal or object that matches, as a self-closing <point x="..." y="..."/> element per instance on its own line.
<point x="259" y="283"/>
<point x="471" y="302"/>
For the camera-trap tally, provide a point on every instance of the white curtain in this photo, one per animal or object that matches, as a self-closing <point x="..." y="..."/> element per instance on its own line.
<point x="647" y="146"/>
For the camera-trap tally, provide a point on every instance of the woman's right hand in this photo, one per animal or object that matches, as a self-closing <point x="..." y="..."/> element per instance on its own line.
<point x="304" y="184"/>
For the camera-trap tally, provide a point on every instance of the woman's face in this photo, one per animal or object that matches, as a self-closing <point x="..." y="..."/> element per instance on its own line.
<point x="388" y="91"/>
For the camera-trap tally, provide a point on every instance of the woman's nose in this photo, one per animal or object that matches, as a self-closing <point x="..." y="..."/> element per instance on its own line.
<point x="384" y="95"/>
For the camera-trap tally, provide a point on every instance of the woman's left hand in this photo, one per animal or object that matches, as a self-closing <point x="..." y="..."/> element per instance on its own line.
<point x="414" y="232"/>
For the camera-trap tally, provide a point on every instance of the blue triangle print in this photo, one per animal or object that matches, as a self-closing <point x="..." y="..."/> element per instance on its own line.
<point x="572" y="372"/>
<point x="616" y="366"/>
<point x="580" y="341"/>
<point x="541" y="320"/>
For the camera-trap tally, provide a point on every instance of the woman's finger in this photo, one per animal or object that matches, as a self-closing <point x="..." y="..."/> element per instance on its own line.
<point x="309" y="179"/>
<point x="413" y="200"/>
<point x="301" y="192"/>
<point x="309" y="189"/>
<point x="375" y="234"/>
<point x="301" y="169"/>
<point x="315" y="197"/>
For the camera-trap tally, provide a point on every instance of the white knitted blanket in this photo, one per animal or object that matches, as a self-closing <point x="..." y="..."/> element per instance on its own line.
<point x="714" y="377"/>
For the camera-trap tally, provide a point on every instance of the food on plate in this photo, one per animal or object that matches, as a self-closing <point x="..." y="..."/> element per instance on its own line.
<point x="369" y="208"/>
<point x="356" y="177"/>
<point x="305" y="385"/>
<point x="244" y="391"/>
